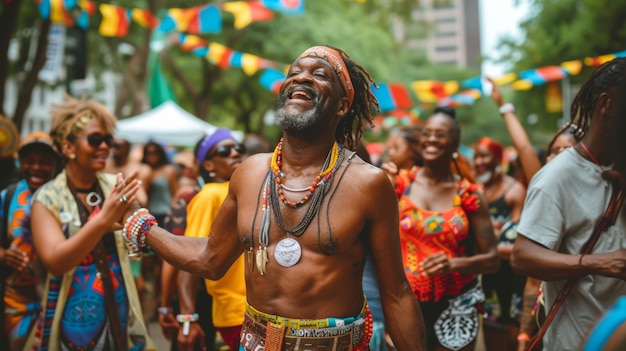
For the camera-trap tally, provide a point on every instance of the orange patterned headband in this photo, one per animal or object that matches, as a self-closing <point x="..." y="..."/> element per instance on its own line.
<point x="334" y="58"/>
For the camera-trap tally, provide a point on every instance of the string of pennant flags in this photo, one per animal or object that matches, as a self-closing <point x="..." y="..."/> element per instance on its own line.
<point x="207" y="19"/>
<point x="397" y="96"/>
<point x="116" y="20"/>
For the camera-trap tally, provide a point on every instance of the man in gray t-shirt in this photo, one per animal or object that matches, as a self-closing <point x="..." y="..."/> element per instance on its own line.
<point x="564" y="201"/>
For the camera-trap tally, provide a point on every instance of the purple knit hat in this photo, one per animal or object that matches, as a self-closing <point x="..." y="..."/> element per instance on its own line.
<point x="210" y="141"/>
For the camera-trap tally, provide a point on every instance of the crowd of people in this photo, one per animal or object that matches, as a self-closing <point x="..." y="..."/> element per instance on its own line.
<point x="305" y="244"/>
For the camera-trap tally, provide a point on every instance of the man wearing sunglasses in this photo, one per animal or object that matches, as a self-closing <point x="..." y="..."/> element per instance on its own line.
<point x="305" y="218"/>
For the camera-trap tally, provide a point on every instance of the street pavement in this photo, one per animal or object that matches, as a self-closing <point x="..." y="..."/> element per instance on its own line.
<point x="154" y="329"/>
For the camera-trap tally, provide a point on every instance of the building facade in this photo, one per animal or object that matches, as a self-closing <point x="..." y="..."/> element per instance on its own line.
<point x="447" y="31"/>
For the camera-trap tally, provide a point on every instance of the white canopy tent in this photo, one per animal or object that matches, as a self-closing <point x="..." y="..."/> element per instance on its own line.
<point x="167" y="123"/>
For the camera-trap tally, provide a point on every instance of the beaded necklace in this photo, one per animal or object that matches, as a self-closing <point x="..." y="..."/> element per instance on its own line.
<point x="315" y="197"/>
<point x="288" y="251"/>
<point x="325" y="174"/>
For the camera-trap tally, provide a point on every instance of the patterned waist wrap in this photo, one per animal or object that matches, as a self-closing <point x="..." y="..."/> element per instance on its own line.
<point x="265" y="332"/>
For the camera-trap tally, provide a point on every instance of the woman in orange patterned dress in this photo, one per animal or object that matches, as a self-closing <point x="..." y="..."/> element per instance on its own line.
<point x="447" y="238"/>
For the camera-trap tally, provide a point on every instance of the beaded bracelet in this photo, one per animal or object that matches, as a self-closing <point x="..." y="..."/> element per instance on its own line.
<point x="136" y="228"/>
<point x="130" y="220"/>
<point x="186" y="319"/>
<point x="165" y="310"/>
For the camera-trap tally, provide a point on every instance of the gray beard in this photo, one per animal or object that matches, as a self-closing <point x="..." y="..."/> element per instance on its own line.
<point x="298" y="122"/>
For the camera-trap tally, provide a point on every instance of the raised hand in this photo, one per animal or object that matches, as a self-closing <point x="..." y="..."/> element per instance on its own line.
<point x="121" y="198"/>
<point x="496" y="94"/>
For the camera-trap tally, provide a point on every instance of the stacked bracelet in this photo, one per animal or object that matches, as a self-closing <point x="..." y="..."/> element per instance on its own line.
<point x="136" y="228"/>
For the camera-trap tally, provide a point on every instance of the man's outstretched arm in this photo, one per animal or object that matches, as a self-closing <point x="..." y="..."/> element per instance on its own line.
<point x="206" y="257"/>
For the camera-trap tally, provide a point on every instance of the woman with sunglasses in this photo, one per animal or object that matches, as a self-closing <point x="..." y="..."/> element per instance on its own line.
<point x="90" y="301"/>
<point x="217" y="155"/>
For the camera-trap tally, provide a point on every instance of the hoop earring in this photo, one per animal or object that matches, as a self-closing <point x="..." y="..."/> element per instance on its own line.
<point x="212" y="174"/>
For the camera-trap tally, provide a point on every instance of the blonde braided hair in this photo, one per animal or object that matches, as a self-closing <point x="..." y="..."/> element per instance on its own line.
<point x="73" y="115"/>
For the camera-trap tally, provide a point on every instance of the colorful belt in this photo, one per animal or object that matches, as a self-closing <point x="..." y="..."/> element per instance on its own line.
<point x="297" y="324"/>
<point x="274" y="337"/>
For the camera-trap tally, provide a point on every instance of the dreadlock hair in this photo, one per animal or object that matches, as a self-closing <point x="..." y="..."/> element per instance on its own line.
<point x="604" y="77"/>
<point x="73" y="115"/>
<point x="620" y="143"/>
<point x="350" y="128"/>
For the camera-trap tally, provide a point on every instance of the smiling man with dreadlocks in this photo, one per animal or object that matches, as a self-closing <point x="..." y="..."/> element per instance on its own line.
<point x="305" y="217"/>
<point x="565" y="200"/>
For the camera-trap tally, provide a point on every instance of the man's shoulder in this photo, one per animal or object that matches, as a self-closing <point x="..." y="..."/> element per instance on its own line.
<point x="250" y="174"/>
<point x="256" y="165"/>
<point x="363" y="179"/>
<point x="365" y="172"/>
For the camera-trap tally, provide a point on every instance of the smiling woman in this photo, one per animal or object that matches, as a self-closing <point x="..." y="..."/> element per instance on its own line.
<point x="446" y="237"/>
<point x="76" y="217"/>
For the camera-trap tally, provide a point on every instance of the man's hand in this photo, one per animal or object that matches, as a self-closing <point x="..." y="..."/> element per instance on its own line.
<point x="169" y="326"/>
<point x="14" y="258"/>
<point x="613" y="264"/>
<point x="496" y="95"/>
<point x="195" y="337"/>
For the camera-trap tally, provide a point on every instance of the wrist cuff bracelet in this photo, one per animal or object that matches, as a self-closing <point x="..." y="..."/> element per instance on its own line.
<point x="507" y="107"/>
<point x="165" y="310"/>
<point x="187" y="317"/>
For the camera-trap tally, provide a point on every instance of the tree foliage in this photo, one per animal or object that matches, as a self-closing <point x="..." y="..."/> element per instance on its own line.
<point x="558" y="31"/>
<point x="228" y="96"/>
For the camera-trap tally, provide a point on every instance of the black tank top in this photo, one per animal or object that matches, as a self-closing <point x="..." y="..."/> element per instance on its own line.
<point x="500" y="210"/>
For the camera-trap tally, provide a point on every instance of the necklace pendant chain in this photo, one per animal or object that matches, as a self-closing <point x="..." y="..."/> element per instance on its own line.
<point x="288" y="250"/>
<point x="314" y="198"/>
<point x="330" y="166"/>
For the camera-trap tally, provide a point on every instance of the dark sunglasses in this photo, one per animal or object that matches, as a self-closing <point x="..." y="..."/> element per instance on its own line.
<point x="96" y="139"/>
<point x="225" y="150"/>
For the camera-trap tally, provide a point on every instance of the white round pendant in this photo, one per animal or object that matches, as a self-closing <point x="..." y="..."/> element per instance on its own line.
<point x="287" y="252"/>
